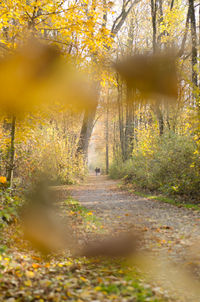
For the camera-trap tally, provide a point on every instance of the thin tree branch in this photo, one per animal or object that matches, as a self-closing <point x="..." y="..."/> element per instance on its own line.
<point x="119" y="21"/>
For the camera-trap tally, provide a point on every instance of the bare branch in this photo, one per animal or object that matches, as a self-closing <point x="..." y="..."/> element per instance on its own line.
<point x="119" y="21"/>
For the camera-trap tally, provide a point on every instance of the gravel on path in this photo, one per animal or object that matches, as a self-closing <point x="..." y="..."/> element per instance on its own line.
<point x="169" y="231"/>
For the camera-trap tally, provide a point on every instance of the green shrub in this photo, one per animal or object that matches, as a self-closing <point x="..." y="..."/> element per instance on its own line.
<point x="172" y="167"/>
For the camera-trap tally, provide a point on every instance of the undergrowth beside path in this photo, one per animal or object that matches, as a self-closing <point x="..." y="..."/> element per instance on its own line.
<point x="159" y="197"/>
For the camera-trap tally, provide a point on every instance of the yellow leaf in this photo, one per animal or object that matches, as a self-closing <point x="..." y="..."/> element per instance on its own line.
<point x="68" y="263"/>
<point x="28" y="283"/>
<point x="97" y="288"/>
<point x="3" y="179"/>
<point x="30" y="274"/>
<point x="35" y="265"/>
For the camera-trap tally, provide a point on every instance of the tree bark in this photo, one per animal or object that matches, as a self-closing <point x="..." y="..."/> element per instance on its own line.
<point x="107" y="134"/>
<point x="12" y="152"/>
<point x="160" y="120"/>
<point x="154" y="27"/>
<point x="86" y="130"/>
<point x="121" y="120"/>
<point x="129" y="129"/>
<point x="194" y="41"/>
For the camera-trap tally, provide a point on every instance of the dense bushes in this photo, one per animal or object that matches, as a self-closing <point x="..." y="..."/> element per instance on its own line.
<point x="55" y="155"/>
<point x="170" y="166"/>
<point x="44" y="144"/>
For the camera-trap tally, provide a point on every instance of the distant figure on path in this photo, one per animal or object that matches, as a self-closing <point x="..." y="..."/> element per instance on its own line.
<point x="96" y="170"/>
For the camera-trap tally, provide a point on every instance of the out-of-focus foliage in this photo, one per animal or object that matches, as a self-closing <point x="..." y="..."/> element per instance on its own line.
<point x="9" y="205"/>
<point x="48" y="148"/>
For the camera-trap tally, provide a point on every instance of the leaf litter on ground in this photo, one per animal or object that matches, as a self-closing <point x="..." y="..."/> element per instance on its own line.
<point x="25" y="275"/>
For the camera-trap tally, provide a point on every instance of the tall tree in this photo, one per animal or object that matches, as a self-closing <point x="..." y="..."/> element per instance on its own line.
<point x="154" y="25"/>
<point x="89" y="117"/>
<point x="11" y="158"/>
<point x="107" y="131"/>
<point x="194" y="45"/>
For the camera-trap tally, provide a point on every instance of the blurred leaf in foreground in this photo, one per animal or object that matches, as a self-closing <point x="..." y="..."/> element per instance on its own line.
<point x="38" y="73"/>
<point x="41" y="223"/>
<point x="150" y="74"/>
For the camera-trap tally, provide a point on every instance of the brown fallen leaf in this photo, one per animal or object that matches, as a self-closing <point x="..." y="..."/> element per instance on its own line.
<point x="38" y="72"/>
<point x="150" y="74"/>
<point x="124" y="244"/>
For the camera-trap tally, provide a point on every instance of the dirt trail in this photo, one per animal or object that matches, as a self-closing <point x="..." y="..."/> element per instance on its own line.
<point x="168" y="228"/>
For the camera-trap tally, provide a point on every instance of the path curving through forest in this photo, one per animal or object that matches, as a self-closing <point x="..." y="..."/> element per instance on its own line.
<point x="121" y="210"/>
<point x="170" y="231"/>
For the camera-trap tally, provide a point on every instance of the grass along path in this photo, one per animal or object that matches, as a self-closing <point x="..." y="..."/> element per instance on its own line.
<point x="160" y="197"/>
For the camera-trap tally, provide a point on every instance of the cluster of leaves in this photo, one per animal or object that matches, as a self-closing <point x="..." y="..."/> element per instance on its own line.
<point x="168" y="165"/>
<point x="25" y="276"/>
<point x="9" y="205"/>
<point x="8" y="211"/>
<point x="74" y="25"/>
<point x="88" y="219"/>
<point x="49" y="148"/>
<point x="33" y="279"/>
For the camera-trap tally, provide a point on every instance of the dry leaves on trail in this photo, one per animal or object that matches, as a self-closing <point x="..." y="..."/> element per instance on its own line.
<point x="26" y="276"/>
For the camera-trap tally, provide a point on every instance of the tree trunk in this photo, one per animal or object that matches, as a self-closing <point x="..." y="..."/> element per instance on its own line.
<point x="86" y="130"/>
<point x="160" y="120"/>
<point x="114" y="140"/>
<point x="107" y="136"/>
<point x="11" y="153"/>
<point x="194" y="46"/>
<point x="121" y="120"/>
<point x="154" y="27"/>
<point x="199" y="44"/>
<point x="129" y="129"/>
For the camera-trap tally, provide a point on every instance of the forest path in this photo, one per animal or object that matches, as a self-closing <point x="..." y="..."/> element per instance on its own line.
<point x="26" y="276"/>
<point x="167" y="228"/>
